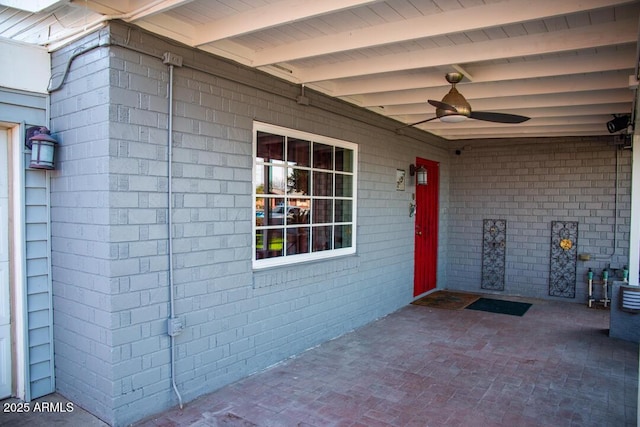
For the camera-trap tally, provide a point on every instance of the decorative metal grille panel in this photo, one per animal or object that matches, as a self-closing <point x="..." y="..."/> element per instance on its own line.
<point x="494" y="244"/>
<point x="564" y="251"/>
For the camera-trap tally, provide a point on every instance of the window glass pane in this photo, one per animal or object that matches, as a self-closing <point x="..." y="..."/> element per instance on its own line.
<point x="344" y="185"/>
<point x="297" y="240"/>
<point x="342" y="236"/>
<point x="260" y="250"/>
<point x="298" y="152"/>
<point x="275" y="176"/>
<point x="322" y="156"/>
<point x="275" y="247"/>
<point x="321" y="238"/>
<point x="298" y="211"/>
<point x="259" y="211"/>
<point x="270" y="147"/>
<point x="298" y="182"/>
<point x="262" y="172"/>
<point x="322" y="184"/>
<point x="269" y="244"/>
<point x="274" y="211"/>
<point x="322" y="211"/>
<point x="344" y="159"/>
<point x="344" y="209"/>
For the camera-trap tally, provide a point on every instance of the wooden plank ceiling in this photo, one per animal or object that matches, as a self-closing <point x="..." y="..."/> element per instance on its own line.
<point x="569" y="65"/>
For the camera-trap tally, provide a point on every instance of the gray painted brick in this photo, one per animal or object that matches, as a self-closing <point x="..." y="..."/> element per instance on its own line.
<point x="584" y="194"/>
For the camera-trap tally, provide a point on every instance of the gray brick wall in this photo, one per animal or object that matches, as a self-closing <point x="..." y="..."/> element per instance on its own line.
<point x="109" y="218"/>
<point x="81" y="238"/>
<point x="530" y="184"/>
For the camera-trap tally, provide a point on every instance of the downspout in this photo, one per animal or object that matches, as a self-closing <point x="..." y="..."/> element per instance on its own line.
<point x="174" y="325"/>
<point x="616" y="197"/>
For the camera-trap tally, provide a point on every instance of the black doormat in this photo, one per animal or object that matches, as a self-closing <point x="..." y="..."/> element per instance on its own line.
<point x="500" y="306"/>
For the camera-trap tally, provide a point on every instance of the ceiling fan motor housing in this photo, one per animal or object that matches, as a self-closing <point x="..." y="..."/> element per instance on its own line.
<point x="455" y="99"/>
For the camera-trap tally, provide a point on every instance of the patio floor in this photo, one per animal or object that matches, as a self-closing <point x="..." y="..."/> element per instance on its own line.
<point x="423" y="366"/>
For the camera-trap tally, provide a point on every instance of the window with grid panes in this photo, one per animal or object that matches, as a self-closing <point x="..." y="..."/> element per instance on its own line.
<point x="304" y="189"/>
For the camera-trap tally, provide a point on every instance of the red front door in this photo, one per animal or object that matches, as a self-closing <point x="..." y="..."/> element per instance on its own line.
<point x="426" y="229"/>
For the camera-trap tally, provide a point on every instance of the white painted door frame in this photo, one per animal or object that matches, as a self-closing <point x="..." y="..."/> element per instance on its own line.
<point x="13" y="150"/>
<point x="6" y="351"/>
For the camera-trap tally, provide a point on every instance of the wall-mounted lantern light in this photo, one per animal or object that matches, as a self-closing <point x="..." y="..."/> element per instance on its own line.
<point x="42" y="146"/>
<point x="420" y="173"/>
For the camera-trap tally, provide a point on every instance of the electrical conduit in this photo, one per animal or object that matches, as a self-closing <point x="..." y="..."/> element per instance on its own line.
<point x="172" y="330"/>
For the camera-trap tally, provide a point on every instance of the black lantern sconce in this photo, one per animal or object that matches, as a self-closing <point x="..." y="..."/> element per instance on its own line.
<point x="420" y="173"/>
<point x="42" y="145"/>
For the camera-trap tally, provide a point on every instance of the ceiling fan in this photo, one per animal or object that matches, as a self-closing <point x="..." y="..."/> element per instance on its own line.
<point x="454" y="108"/>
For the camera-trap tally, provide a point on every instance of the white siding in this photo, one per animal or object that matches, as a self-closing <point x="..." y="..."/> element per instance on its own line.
<point x="17" y="107"/>
<point x="39" y="301"/>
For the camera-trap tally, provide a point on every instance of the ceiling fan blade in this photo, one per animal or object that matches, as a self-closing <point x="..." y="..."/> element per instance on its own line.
<point x="442" y="105"/>
<point x="416" y="123"/>
<point x="488" y="116"/>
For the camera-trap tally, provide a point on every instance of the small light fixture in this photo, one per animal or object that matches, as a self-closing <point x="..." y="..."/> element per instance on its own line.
<point x="42" y="146"/>
<point x="453" y="118"/>
<point x="420" y="173"/>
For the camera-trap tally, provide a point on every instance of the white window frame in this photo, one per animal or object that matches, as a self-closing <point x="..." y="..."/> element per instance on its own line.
<point x="310" y="256"/>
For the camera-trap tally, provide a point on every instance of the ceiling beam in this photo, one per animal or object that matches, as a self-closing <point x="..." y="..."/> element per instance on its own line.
<point x="389" y="82"/>
<point x="548" y="134"/>
<point x="153" y="12"/>
<point x="170" y="27"/>
<point x="473" y="91"/>
<point x="231" y="50"/>
<point x="509" y="104"/>
<point x="456" y="21"/>
<point x="555" y="100"/>
<point x="154" y="8"/>
<point x="588" y="37"/>
<point x="537" y="131"/>
<point x="107" y="7"/>
<point x="598" y="123"/>
<point x="542" y="121"/>
<point x="269" y="16"/>
<point x="608" y="61"/>
<point x="130" y="10"/>
<point x="578" y="110"/>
